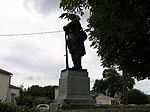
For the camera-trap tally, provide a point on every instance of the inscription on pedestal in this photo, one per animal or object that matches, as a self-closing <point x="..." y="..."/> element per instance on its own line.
<point x="74" y="88"/>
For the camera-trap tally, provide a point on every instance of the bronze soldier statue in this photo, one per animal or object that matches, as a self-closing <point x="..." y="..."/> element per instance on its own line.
<point x="75" y="41"/>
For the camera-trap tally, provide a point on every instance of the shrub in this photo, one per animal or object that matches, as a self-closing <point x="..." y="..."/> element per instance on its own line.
<point x="8" y="107"/>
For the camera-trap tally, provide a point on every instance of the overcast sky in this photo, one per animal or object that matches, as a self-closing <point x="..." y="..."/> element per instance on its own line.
<point x="39" y="59"/>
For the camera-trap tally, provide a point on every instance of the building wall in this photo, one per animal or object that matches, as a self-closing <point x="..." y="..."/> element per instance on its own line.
<point x="56" y="92"/>
<point x="13" y="94"/>
<point x="4" y="86"/>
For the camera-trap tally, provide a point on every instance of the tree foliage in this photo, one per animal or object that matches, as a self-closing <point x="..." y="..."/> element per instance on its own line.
<point x="137" y="97"/>
<point x="112" y="82"/>
<point x="37" y="91"/>
<point x="120" y="31"/>
<point x="35" y="95"/>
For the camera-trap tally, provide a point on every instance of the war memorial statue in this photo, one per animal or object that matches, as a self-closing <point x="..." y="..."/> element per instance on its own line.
<point x="74" y="83"/>
<point x="75" y="41"/>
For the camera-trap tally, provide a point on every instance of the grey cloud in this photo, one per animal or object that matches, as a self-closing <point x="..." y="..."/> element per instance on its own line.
<point x="44" y="7"/>
<point x="45" y="66"/>
<point x="32" y="78"/>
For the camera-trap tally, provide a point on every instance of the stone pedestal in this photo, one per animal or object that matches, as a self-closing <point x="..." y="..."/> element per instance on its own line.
<point x="74" y="90"/>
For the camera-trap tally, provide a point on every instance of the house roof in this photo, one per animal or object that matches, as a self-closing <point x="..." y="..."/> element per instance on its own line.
<point x="5" y="72"/>
<point x="13" y="87"/>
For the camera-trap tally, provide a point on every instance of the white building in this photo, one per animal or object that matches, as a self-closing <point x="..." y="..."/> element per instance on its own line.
<point x="56" y="92"/>
<point x="8" y="92"/>
<point x="4" y="84"/>
<point x="102" y="99"/>
<point x="13" y="93"/>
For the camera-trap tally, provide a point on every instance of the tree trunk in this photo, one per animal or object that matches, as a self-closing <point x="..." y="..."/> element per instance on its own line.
<point x="125" y="90"/>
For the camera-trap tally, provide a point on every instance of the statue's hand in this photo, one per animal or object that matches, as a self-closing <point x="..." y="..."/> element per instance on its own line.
<point x="68" y="39"/>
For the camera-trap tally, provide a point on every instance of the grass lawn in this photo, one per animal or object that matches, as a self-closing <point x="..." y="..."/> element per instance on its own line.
<point x="110" y="109"/>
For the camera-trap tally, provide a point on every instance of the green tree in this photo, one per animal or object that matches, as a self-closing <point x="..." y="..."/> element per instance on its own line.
<point x="49" y="92"/>
<point x="120" y="31"/>
<point x="35" y="95"/>
<point x="137" y="97"/>
<point x="113" y="82"/>
<point x="35" y="90"/>
<point x="98" y="86"/>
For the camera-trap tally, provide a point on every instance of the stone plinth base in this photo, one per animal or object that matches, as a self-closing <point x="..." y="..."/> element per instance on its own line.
<point x="74" y="90"/>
